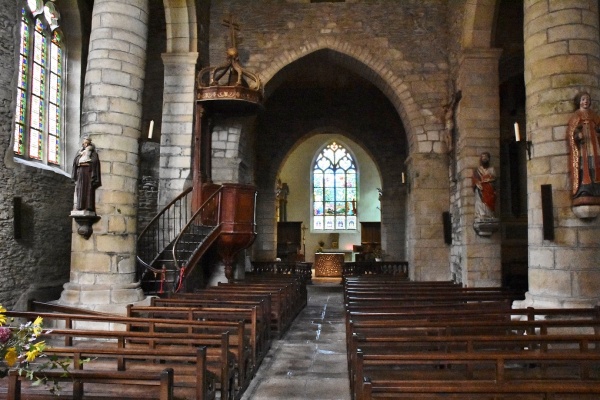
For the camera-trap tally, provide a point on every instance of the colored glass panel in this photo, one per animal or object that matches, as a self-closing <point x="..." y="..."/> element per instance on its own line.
<point x="318" y="223"/>
<point x="334" y="182"/>
<point x="318" y="194"/>
<point x="52" y="150"/>
<point x="35" y="144"/>
<point x="329" y="222"/>
<point x="38" y="109"/>
<point x="19" y="146"/>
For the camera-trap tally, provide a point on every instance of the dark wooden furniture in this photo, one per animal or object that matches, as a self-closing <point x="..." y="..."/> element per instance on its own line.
<point x="440" y="340"/>
<point x="289" y="240"/>
<point x="370" y="239"/>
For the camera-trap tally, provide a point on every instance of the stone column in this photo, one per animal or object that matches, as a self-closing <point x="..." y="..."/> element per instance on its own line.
<point x="561" y="59"/>
<point x="103" y="268"/>
<point x="478" y="123"/>
<point x="177" y="125"/>
<point x="265" y="245"/>
<point x="428" y="184"/>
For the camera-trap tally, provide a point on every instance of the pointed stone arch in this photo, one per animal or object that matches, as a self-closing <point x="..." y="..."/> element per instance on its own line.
<point x="181" y="24"/>
<point x="364" y="63"/>
<point x="478" y="24"/>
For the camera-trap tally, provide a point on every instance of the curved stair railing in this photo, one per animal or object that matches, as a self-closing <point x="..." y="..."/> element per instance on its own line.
<point x="157" y="238"/>
<point x="196" y="237"/>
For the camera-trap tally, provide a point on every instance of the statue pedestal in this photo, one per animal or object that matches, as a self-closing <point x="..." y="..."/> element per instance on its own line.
<point x="586" y="211"/>
<point x="85" y="219"/>
<point x="486" y="227"/>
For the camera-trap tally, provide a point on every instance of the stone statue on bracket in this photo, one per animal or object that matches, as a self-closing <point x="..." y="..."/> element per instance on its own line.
<point x="484" y="187"/>
<point x="86" y="174"/>
<point x="583" y="138"/>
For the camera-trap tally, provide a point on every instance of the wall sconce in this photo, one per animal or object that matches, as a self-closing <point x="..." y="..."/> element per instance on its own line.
<point x="528" y="143"/>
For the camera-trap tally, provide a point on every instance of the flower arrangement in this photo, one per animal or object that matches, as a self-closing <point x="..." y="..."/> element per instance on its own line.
<point x="19" y="346"/>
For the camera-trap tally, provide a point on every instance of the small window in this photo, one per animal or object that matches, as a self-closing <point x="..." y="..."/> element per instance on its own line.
<point x="334" y="190"/>
<point x="38" y="114"/>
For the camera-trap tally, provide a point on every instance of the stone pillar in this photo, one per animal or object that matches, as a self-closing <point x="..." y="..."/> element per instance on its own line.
<point x="177" y="125"/>
<point x="103" y="268"/>
<point x="561" y="59"/>
<point x="265" y="245"/>
<point x="428" y="179"/>
<point x="478" y="123"/>
<point x="393" y="222"/>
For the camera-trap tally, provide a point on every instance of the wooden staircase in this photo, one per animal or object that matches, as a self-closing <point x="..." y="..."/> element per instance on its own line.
<point x="173" y="243"/>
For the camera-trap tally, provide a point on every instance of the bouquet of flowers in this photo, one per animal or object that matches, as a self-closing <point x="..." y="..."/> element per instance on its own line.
<point x="19" y="346"/>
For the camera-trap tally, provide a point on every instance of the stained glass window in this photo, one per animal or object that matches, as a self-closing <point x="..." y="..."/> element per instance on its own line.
<point x="334" y="189"/>
<point x="38" y="114"/>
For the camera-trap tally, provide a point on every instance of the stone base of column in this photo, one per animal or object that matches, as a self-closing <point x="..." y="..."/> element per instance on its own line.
<point x="537" y="301"/>
<point x="218" y="274"/>
<point x="112" y="298"/>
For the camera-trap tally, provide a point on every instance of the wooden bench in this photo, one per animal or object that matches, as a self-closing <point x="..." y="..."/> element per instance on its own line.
<point x="287" y="297"/>
<point x="220" y="360"/>
<point x="495" y="371"/>
<point x="417" y="340"/>
<point x="242" y="343"/>
<point x="163" y="381"/>
<point x="262" y="302"/>
<point x="277" y="299"/>
<point x="258" y="322"/>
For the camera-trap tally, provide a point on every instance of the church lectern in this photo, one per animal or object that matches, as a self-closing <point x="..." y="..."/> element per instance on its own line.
<point x="329" y="264"/>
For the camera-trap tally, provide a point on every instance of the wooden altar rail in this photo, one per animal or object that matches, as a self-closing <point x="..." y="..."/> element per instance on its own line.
<point x="303" y="269"/>
<point x="395" y="268"/>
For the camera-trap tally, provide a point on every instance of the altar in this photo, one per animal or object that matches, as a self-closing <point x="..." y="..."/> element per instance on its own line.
<point x="329" y="264"/>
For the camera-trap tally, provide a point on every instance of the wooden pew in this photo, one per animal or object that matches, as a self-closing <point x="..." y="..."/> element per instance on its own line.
<point x="430" y="323"/>
<point x="242" y="342"/>
<point x="163" y="381"/>
<point x="259" y="320"/>
<point x="221" y="361"/>
<point x="497" y="372"/>
<point x="232" y="299"/>
<point x="276" y="296"/>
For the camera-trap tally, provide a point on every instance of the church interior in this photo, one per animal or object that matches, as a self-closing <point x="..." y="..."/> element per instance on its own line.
<point x="332" y="151"/>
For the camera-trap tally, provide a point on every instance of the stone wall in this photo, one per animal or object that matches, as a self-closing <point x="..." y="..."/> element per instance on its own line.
<point x="37" y="264"/>
<point x="398" y="47"/>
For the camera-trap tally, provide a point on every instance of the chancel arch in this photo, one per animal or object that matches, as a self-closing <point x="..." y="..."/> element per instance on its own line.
<point x="317" y="94"/>
<point x="296" y="171"/>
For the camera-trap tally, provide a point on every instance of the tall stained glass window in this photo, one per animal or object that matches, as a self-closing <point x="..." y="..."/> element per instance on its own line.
<point x="38" y="115"/>
<point x="334" y="189"/>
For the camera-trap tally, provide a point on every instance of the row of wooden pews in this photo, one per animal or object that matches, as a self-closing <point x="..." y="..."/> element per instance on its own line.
<point x="210" y="341"/>
<point x="438" y="340"/>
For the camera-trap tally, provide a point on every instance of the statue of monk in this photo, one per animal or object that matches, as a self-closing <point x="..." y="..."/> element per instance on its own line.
<point x="484" y="180"/>
<point x="86" y="174"/>
<point x="583" y="139"/>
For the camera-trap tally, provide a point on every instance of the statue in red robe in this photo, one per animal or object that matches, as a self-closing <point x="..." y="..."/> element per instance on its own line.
<point x="484" y="180"/>
<point x="583" y="139"/>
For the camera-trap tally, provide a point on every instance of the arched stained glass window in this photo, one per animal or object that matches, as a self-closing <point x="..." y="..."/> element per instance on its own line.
<point x="38" y="115"/>
<point x="334" y="189"/>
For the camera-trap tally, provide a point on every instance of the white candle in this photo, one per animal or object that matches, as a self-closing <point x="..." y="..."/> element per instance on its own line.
<point x="517" y="133"/>
<point x="150" y="129"/>
<point x="403" y="178"/>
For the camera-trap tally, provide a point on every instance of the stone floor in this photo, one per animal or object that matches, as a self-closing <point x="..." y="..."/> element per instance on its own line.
<point x="309" y="361"/>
